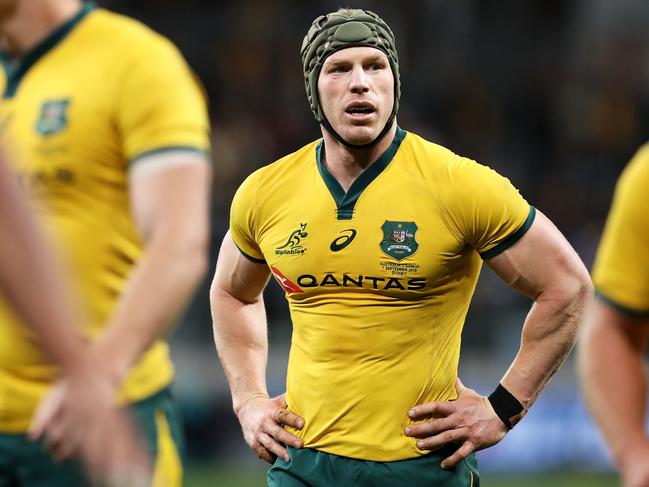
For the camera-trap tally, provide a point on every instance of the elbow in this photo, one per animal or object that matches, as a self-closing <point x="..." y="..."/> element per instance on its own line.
<point x="187" y="253"/>
<point x="195" y="260"/>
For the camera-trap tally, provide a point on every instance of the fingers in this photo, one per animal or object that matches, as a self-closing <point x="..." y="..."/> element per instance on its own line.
<point x="270" y="449"/>
<point x="47" y="410"/>
<point x="429" y="428"/>
<point x="288" y="417"/>
<point x="286" y="438"/>
<point x="459" y="387"/>
<point x="424" y="411"/>
<point x="442" y="439"/>
<point x="460" y="454"/>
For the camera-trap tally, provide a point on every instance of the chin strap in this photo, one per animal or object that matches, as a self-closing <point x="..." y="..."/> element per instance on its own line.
<point x="338" y="137"/>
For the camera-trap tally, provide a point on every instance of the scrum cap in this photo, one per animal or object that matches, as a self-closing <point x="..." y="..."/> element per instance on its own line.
<point x="338" y="30"/>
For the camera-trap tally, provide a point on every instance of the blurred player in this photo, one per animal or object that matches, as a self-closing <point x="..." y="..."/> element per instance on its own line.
<point x="31" y="283"/>
<point x="111" y="133"/>
<point x="616" y="331"/>
<point x="377" y="236"/>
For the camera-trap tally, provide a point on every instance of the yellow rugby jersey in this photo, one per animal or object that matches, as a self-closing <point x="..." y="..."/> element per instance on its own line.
<point x="378" y="281"/>
<point x="621" y="269"/>
<point x="99" y="93"/>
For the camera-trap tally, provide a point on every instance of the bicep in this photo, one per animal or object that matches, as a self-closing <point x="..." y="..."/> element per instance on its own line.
<point x="540" y="261"/>
<point x="171" y="192"/>
<point x="238" y="276"/>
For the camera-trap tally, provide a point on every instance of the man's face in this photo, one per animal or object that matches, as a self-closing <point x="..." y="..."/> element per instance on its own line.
<point x="356" y="90"/>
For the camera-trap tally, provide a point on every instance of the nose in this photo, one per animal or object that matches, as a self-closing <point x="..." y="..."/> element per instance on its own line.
<point x="359" y="81"/>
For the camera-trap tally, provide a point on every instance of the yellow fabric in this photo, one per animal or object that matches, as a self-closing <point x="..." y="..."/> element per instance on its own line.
<point x="108" y="91"/>
<point x="621" y="269"/>
<point x="168" y="469"/>
<point x="374" y="335"/>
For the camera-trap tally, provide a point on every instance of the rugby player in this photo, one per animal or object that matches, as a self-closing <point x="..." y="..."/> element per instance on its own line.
<point x="31" y="282"/>
<point x="110" y="131"/>
<point x="377" y="237"/>
<point x="616" y="331"/>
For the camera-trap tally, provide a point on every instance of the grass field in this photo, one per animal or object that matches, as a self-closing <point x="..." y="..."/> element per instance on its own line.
<point x="209" y="476"/>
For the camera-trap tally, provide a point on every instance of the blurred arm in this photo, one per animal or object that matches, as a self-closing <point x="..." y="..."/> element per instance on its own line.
<point x="544" y="267"/>
<point x="31" y="279"/>
<point x="239" y="321"/>
<point x="611" y="365"/>
<point x="170" y="205"/>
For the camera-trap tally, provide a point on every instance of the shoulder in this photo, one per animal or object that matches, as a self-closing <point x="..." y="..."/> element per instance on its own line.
<point x="442" y="169"/>
<point x="637" y="171"/>
<point x="128" y="38"/>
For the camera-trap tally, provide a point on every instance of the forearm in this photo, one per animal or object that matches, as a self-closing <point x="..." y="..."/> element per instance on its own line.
<point x="240" y="336"/>
<point x="549" y="334"/>
<point x="32" y="281"/>
<point x="158" y="289"/>
<point x="611" y="364"/>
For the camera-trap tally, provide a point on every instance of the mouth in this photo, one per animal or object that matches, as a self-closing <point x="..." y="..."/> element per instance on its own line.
<point x="360" y="110"/>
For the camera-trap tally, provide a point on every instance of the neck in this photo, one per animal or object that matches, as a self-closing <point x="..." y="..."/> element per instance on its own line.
<point x="33" y="21"/>
<point x="347" y="163"/>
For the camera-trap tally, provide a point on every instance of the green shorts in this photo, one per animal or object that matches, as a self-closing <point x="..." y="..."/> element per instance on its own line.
<point x="24" y="463"/>
<point x="313" y="468"/>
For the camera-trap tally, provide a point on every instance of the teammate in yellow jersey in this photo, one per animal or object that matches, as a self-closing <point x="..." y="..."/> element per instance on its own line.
<point x="110" y="131"/>
<point x="616" y="332"/>
<point x="377" y="236"/>
<point x="31" y="282"/>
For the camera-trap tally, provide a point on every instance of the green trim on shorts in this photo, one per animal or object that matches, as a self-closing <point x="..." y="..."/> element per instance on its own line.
<point x="144" y="414"/>
<point x="313" y="468"/>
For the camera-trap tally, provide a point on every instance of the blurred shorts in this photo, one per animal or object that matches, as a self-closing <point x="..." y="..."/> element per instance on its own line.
<point x="24" y="463"/>
<point x="313" y="468"/>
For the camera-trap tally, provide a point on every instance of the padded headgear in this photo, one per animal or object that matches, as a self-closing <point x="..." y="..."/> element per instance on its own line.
<point x="339" y="30"/>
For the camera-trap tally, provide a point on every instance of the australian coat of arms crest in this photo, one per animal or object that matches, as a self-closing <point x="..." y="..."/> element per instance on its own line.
<point x="399" y="239"/>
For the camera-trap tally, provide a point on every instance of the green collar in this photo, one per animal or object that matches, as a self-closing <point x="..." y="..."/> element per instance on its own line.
<point x="16" y="71"/>
<point x="345" y="201"/>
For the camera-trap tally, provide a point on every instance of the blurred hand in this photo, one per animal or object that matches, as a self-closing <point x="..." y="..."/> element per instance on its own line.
<point x="262" y="421"/>
<point x="634" y="467"/>
<point x="469" y="420"/>
<point x="78" y="418"/>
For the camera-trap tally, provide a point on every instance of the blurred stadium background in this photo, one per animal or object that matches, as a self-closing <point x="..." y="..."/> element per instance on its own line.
<point x="553" y="94"/>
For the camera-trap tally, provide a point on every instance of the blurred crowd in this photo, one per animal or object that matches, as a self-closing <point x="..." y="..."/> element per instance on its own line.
<point x="554" y="94"/>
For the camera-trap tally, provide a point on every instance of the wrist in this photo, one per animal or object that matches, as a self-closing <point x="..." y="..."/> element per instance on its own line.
<point x="506" y="406"/>
<point x="112" y="367"/>
<point x="240" y="402"/>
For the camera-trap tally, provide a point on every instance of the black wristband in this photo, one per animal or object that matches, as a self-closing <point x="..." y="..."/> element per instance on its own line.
<point x="507" y="407"/>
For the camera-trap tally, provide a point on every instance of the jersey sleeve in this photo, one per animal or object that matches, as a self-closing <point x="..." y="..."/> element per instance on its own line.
<point x="621" y="269"/>
<point x="243" y="227"/>
<point x="483" y="209"/>
<point x="161" y="105"/>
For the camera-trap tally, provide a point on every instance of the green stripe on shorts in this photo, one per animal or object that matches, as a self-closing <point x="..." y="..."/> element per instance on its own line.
<point x="313" y="468"/>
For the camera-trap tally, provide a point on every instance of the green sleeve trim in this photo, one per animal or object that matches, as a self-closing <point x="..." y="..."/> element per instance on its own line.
<point x="250" y="257"/>
<point x="513" y="238"/>
<point x="630" y="312"/>
<point x="172" y="148"/>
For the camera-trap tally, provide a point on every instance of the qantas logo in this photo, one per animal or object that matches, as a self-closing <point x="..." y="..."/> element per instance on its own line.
<point x="343" y="241"/>
<point x="288" y="286"/>
<point x="371" y="282"/>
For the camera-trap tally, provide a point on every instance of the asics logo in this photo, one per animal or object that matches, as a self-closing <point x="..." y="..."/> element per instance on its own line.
<point x="343" y="241"/>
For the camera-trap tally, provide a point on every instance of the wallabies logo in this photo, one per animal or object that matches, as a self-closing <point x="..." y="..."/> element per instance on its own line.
<point x="293" y="245"/>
